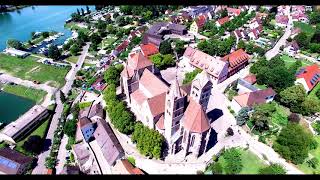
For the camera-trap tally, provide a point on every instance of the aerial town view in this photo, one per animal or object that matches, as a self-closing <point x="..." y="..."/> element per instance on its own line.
<point x="159" y="89"/>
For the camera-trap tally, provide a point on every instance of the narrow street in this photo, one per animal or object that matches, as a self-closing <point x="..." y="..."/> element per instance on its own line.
<point x="40" y="168"/>
<point x="282" y="41"/>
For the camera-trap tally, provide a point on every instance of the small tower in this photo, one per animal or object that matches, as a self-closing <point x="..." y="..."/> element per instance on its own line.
<point x="174" y="108"/>
<point x="201" y="89"/>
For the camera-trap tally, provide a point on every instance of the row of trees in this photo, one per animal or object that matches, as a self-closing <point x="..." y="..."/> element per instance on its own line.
<point x="216" y="47"/>
<point x="238" y="21"/>
<point x="251" y="48"/>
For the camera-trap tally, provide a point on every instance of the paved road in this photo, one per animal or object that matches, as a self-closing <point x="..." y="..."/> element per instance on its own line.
<point x="50" y="90"/>
<point x="282" y="41"/>
<point x="40" y="168"/>
<point x="62" y="154"/>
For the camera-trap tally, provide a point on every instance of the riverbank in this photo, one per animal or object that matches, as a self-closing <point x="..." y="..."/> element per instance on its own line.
<point x="12" y="8"/>
<point x="22" y="91"/>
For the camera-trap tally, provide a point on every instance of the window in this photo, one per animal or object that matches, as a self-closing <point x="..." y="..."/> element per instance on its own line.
<point x="192" y="140"/>
<point x="177" y="123"/>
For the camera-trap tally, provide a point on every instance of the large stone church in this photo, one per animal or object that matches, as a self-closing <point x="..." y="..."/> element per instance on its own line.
<point x="177" y="112"/>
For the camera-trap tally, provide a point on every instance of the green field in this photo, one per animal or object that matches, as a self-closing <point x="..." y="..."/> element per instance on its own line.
<point x="290" y="61"/>
<point x="35" y="95"/>
<point x="262" y="87"/>
<point x="29" y="69"/>
<point x="251" y="163"/>
<point x="40" y="131"/>
<point x="313" y="153"/>
<point x="307" y="28"/>
<point x="74" y="26"/>
<point x="109" y="41"/>
<point x="73" y="59"/>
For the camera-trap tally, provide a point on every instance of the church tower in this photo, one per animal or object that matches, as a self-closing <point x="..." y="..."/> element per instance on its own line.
<point x="174" y="109"/>
<point x="201" y="89"/>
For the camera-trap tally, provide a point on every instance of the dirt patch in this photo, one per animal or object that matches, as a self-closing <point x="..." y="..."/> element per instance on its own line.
<point x="35" y="69"/>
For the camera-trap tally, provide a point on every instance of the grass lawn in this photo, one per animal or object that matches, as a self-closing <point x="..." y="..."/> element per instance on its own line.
<point x="312" y="94"/>
<point x="31" y="70"/>
<point x="280" y="116"/>
<point x="251" y="163"/>
<point x="314" y="153"/>
<point x="29" y="93"/>
<point x="74" y="26"/>
<point x="109" y="41"/>
<point x="72" y="59"/>
<point x="262" y="87"/>
<point x="290" y="60"/>
<point x="307" y="28"/>
<point x="40" y="131"/>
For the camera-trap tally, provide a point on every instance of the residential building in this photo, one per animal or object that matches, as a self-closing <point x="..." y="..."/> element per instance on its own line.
<point x="300" y="17"/>
<point x="221" y="21"/>
<point x="249" y="99"/>
<point x="87" y="128"/>
<point x="291" y="48"/>
<point x="83" y="156"/>
<point x="282" y="21"/>
<point x="198" y="23"/>
<point x="196" y="11"/>
<point x="308" y="77"/>
<point x="149" y="49"/>
<point x="233" y="11"/>
<point x="236" y="61"/>
<point x="71" y="170"/>
<point x="96" y="112"/>
<point x="25" y="124"/>
<point x="156" y="33"/>
<point x="110" y="146"/>
<point x="13" y="162"/>
<point x="244" y="86"/>
<point x="16" y="52"/>
<point x="295" y="32"/>
<point x="214" y="66"/>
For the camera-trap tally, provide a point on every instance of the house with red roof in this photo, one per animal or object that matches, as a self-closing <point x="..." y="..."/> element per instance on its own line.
<point x="249" y="99"/>
<point x="308" y="77"/>
<point x="198" y="23"/>
<point x="236" y="61"/>
<point x="233" y="11"/>
<point x="221" y="21"/>
<point x="149" y="49"/>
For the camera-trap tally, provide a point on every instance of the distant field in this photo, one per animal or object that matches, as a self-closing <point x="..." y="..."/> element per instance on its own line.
<point x="307" y="28"/>
<point x="31" y="70"/>
<point x="29" y="93"/>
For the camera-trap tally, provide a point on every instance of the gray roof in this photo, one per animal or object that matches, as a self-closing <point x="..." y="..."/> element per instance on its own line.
<point x="247" y="85"/>
<point x="96" y="110"/>
<point x="11" y="160"/>
<point x="108" y="142"/>
<point x="156" y="28"/>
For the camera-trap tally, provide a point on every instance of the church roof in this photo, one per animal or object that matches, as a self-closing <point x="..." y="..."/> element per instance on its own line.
<point x="195" y="119"/>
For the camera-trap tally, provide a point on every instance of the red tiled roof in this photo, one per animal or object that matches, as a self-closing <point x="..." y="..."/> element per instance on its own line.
<point x="157" y="104"/>
<point x="308" y="73"/>
<point x="195" y="119"/>
<point x="283" y="19"/>
<point x="223" y="20"/>
<point x="152" y="84"/>
<point x="201" y="21"/>
<point x="251" y="98"/>
<point x="138" y="96"/>
<point x="135" y="61"/>
<point x="251" y="78"/>
<point x="122" y="46"/>
<point x="129" y="167"/>
<point x="212" y="65"/>
<point x="149" y="49"/>
<point x="236" y="58"/>
<point x="160" y="123"/>
<point x="234" y="10"/>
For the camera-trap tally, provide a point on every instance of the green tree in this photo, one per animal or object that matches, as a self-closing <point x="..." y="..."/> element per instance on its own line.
<point x="293" y="97"/>
<point x="241" y="44"/>
<point x="45" y="34"/>
<point x="217" y="168"/>
<point x="310" y="106"/>
<point x="62" y="97"/>
<point x="224" y="13"/>
<point x="302" y="39"/>
<point x="313" y="163"/>
<point x="74" y="49"/>
<point x="191" y="75"/>
<point x="14" y="44"/>
<point x="148" y="15"/>
<point x="293" y="143"/>
<point x="243" y="116"/>
<point x="121" y="21"/>
<point x="233" y="160"/>
<point x="112" y="75"/>
<point x="272" y="169"/>
<point x="54" y="52"/>
<point x="162" y="61"/>
<point x="70" y="128"/>
<point x="256" y="67"/>
<point x="179" y="48"/>
<point x="165" y="47"/>
<point x="33" y="144"/>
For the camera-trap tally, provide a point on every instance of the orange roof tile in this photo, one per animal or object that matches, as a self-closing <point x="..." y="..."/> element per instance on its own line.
<point x="149" y="49"/>
<point x="152" y="84"/>
<point x="236" y="58"/>
<point x="308" y="73"/>
<point x="252" y="98"/>
<point x="160" y="123"/>
<point x="137" y="61"/>
<point x="157" y="104"/>
<point x="223" y="20"/>
<point x="138" y="96"/>
<point x="129" y="167"/>
<point x="195" y="119"/>
<point x="234" y="10"/>
<point x="251" y="78"/>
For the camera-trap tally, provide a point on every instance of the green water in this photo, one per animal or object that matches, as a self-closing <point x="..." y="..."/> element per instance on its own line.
<point x="12" y="107"/>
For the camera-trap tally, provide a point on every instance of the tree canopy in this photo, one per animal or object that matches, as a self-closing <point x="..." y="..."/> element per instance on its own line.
<point x="233" y="160"/>
<point x="163" y="61"/>
<point x="14" y="44"/>
<point x="54" y="52"/>
<point x="273" y="169"/>
<point x="165" y="47"/>
<point x="191" y="75"/>
<point x="33" y="144"/>
<point x="70" y="127"/>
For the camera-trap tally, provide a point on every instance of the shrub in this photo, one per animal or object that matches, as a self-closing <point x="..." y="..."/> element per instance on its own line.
<point x="217" y="168"/>
<point x="294" y="118"/>
<point x="191" y="75"/>
<point x="313" y="162"/>
<point x="233" y="161"/>
<point x="272" y="169"/>
<point x="132" y="160"/>
<point x="316" y="126"/>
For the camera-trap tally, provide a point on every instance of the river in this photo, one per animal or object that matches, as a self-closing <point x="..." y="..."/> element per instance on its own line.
<point x="19" y="24"/>
<point x="12" y="107"/>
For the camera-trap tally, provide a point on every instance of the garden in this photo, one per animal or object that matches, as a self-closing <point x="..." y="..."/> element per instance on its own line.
<point x="29" y="69"/>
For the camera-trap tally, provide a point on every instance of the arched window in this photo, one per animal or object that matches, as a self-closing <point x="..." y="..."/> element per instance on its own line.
<point x="192" y="140"/>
